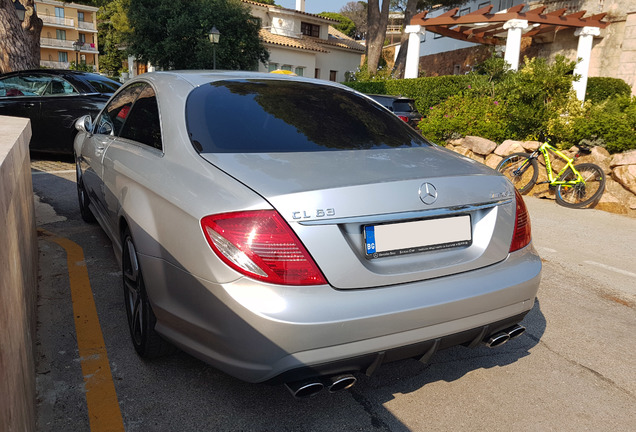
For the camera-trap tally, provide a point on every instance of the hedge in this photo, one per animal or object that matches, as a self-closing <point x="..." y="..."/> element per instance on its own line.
<point x="427" y="91"/>
<point x="601" y="88"/>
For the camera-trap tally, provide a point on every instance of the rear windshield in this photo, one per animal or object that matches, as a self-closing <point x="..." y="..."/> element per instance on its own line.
<point x="404" y="105"/>
<point x="270" y="116"/>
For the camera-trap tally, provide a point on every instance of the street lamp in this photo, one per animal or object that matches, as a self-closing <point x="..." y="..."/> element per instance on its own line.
<point x="214" y="36"/>
<point x="19" y="10"/>
<point x="77" y="46"/>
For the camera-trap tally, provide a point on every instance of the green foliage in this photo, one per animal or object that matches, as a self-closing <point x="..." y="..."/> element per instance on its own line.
<point x="611" y="122"/>
<point x="169" y="35"/>
<point x="81" y="67"/>
<point x="465" y="114"/>
<point x="601" y="88"/>
<point x="346" y="25"/>
<point x="113" y="27"/>
<point x="535" y="93"/>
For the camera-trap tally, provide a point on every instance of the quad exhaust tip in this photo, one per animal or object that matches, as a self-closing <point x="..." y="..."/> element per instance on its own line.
<point x="311" y="387"/>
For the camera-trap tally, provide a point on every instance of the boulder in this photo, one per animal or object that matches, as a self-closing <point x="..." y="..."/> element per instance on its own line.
<point x="610" y="203"/>
<point x="492" y="160"/>
<point x="627" y="158"/>
<point x="464" y="151"/>
<point x="478" y="145"/>
<point x="509" y="147"/>
<point x="626" y="176"/>
<point x="530" y="146"/>
<point x="599" y="156"/>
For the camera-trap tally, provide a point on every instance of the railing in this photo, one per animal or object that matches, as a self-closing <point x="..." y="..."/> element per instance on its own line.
<point x="54" y="64"/>
<point x="85" y="25"/>
<point x="69" y="22"/>
<point x="56" y="43"/>
<point x="66" y="44"/>
<point x="394" y="29"/>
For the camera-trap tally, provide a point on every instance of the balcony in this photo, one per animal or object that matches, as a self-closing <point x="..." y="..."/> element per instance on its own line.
<point x="54" y="64"/>
<point x="85" y="25"/>
<point x="57" y="21"/>
<point x="66" y="45"/>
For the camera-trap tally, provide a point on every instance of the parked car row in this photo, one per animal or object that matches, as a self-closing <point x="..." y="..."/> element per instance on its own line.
<point x="53" y="100"/>
<point x="291" y="230"/>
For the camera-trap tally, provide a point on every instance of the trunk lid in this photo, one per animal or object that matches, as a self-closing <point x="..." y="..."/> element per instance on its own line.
<point x="336" y="201"/>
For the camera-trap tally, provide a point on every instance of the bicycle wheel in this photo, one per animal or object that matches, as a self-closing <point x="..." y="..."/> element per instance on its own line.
<point x="520" y="170"/>
<point x="582" y="194"/>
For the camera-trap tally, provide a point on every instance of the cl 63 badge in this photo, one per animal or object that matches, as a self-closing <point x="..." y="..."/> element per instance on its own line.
<point x="318" y="213"/>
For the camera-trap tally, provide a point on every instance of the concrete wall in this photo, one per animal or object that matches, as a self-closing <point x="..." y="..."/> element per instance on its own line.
<point x="18" y="278"/>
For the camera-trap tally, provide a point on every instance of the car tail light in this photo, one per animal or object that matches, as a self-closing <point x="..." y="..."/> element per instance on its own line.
<point x="522" y="235"/>
<point x="404" y="118"/>
<point x="261" y="245"/>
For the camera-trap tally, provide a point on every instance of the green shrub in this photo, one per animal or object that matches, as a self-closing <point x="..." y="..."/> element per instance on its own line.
<point x="427" y="91"/>
<point x="601" y="88"/>
<point x="612" y="123"/>
<point x="461" y="115"/>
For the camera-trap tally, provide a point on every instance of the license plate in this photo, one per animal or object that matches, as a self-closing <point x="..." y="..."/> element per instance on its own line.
<point x="417" y="236"/>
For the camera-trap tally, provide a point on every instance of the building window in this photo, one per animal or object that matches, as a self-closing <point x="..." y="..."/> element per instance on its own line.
<point x="464" y="11"/>
<point x="80" y="16"/>
<point x="60" y="34"/>
<point x="484" y="4"/>
<point x="299" y="71"/>
<point x="333" y="75"/>
<point x="316" y="73"/>
<point x="310" y="29"/>
<point x="457" y="69"/>
<point x="272" y="67"/>
<point x="82" y="37"/>
<point x="505" y="4"/>
<point x="286" y="68"/>
<point x="59" y="12"/>
<point x="62" y="56"/>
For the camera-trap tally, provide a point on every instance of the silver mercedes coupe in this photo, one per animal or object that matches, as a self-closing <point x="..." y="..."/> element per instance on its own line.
<point x="291" y="230"/>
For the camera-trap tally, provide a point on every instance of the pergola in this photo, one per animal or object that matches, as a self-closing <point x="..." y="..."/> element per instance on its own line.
<point x="507" y="27"/>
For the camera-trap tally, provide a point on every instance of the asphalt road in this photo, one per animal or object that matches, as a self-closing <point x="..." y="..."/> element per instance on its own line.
<point x="574" y="369"/>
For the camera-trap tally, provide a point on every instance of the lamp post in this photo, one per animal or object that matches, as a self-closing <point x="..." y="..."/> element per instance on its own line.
<point x="214" y="36"/>
<point x="19" y="10"/>
<point x="77" y="46"/>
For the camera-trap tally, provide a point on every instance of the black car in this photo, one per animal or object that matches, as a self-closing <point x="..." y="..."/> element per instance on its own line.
<point x="402" y="107"/>
<point x="53" y="99"/>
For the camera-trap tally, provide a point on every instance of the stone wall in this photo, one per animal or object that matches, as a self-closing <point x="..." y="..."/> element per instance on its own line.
<point x="620" y="187"/>
<point x="18" y="278"/>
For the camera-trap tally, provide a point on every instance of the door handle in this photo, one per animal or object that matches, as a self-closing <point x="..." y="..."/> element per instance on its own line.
<point x="28" y="104"/>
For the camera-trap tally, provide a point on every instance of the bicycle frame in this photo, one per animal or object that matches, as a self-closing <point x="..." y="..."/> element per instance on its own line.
<point x="553" y="180"/>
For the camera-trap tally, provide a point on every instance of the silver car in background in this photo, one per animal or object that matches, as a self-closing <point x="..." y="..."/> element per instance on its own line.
<point x="290" y="230"/>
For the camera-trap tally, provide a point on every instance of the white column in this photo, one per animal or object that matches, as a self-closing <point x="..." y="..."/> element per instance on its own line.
<point x="131" y="66"/>
<point x="515" y="28"/>
<point x="583" y="53"/>
<point x="411" y="69"/>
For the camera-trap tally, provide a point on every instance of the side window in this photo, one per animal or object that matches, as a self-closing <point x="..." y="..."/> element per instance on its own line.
<point x="24" y="85"/>
<point x="116" y="112"/>
<point x="59" y="87"/>
<point x="143" y="124"/>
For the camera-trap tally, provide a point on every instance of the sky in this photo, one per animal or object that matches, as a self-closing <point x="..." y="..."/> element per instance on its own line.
<point x="315" y="6"/>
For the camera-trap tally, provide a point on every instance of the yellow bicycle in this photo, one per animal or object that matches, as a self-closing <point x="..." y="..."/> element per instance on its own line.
<point x="577" y="186"/>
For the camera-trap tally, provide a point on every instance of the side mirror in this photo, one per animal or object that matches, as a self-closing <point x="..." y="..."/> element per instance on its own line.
<point x="84" y="124"/>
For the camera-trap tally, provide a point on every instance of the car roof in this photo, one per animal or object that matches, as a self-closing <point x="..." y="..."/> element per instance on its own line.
<point x="201" y="77"/>
<point x="377" y="96"/>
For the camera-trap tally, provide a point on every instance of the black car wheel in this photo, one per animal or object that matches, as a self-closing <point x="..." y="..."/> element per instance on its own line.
<point x="82" y="196"/>
<point x="141" y="318"/>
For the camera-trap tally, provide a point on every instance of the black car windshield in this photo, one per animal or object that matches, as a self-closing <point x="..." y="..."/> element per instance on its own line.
<point x="270" y="116"/>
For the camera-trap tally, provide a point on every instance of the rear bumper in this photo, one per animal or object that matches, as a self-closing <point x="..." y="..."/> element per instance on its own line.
<point x="258" y="332"/>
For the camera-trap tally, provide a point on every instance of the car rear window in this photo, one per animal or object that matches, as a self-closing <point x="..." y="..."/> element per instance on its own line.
<point x="270" y="116"/>
<point x="403" y="106"/>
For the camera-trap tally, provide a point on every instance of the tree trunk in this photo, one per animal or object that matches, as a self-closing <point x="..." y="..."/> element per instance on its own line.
<point x="377" y="21"/>
<point x="400" y="61"/>
<point x="19" y="41"/>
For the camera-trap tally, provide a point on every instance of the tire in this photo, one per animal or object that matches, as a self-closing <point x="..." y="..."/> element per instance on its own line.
<point x="82" y="196"/>
<point x="582" y="195"/>
<point x="141" y="318"/>
<point x="524" y="179"/>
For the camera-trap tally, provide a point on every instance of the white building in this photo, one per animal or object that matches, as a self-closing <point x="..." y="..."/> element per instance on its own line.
<point x="304" y="43"/>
